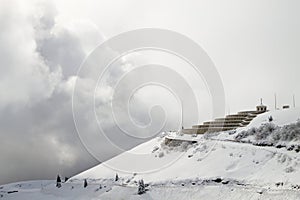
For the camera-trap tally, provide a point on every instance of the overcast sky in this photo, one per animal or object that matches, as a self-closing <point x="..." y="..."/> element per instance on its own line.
<point x="254" y="45"/>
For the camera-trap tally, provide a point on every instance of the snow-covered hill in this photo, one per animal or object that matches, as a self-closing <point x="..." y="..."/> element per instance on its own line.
<point x="257" y="161"/>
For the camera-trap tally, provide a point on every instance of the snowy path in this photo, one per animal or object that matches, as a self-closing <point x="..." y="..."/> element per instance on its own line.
<point x="185" y="189"/>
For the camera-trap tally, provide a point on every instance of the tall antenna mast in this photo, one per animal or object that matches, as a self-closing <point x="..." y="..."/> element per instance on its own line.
<point x="294" y="102"/>
<point x="182" y="116"/>
<point x="275" y="101"/>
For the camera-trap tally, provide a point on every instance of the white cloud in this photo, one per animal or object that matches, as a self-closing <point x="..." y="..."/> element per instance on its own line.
<point x="25" y="77"/>
<point x="39" y="61"/>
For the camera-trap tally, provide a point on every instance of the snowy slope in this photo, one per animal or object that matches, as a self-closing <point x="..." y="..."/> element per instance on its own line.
<point x="217" y="167"/>
<point x="194" y="190"/>
<point x="209" y="158"/>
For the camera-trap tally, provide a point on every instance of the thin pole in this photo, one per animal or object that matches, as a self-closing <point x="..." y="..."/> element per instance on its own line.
<point x="182" y="115"/>
<point x="275" y="101"/>
<point x="294" y="102"/>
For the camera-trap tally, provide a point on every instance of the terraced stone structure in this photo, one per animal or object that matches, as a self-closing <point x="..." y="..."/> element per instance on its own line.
<point x="230" y="122"/>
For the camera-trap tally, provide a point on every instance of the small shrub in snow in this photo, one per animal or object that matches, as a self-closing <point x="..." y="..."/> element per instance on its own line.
<point x="141" y="187"/>
<point x="282" y="158"/>
<point x="232" y="132"/>
<point x="161" y="154"/>
<point x="85" y="184"/>
<point x="279" y="184"/>
<point x="260" y="191"/>
<point x="99" y="188"/>
<point x="270" y="118"/>
<point x="180" y="133"/>
<point x="289" y="170"/>
<point x="184" y="146"/>
<point x="271" y="135"/>
<point x="163" y="134"/>
<point x="291" y="147"/>
<point x="155" y="149"/>
<point x="217" y="180"/>
<point x="66" y="179"/>
<point x="245" y="134"/>
<point x="265" y="131"/>
<point x="58" y="181"/>
<point x="297" y="148"/>
<point x="297" y="187"/>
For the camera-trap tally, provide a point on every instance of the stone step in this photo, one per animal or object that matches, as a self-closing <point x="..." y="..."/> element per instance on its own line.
<point x="230" y="118"/>
<point x="223" y="122"/>
<point x="248" y="112"/>
<point x="230" y="122"/>
<point x="238" y="115"/>
<point x="217" y="125"/>
<point x="204" y="130"/>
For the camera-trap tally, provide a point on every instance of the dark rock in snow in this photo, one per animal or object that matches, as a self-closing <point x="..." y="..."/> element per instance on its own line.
<point x="10" y="192"/>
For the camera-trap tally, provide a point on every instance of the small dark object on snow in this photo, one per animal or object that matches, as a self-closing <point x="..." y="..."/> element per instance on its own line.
<point x="259" y="191"/>
<point x="279" y="184"/>
<point x="85" y="184"/>
<point x="291" y="148"/>
<point x="270" y="118"/>
<point x="58" y="181"/>
<point x="279" y="146"/>
<point x="296" y="187"/>
<point x="13" y="191"/>
<point x="217" y="180"/>
<point x="141" y="188"/>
